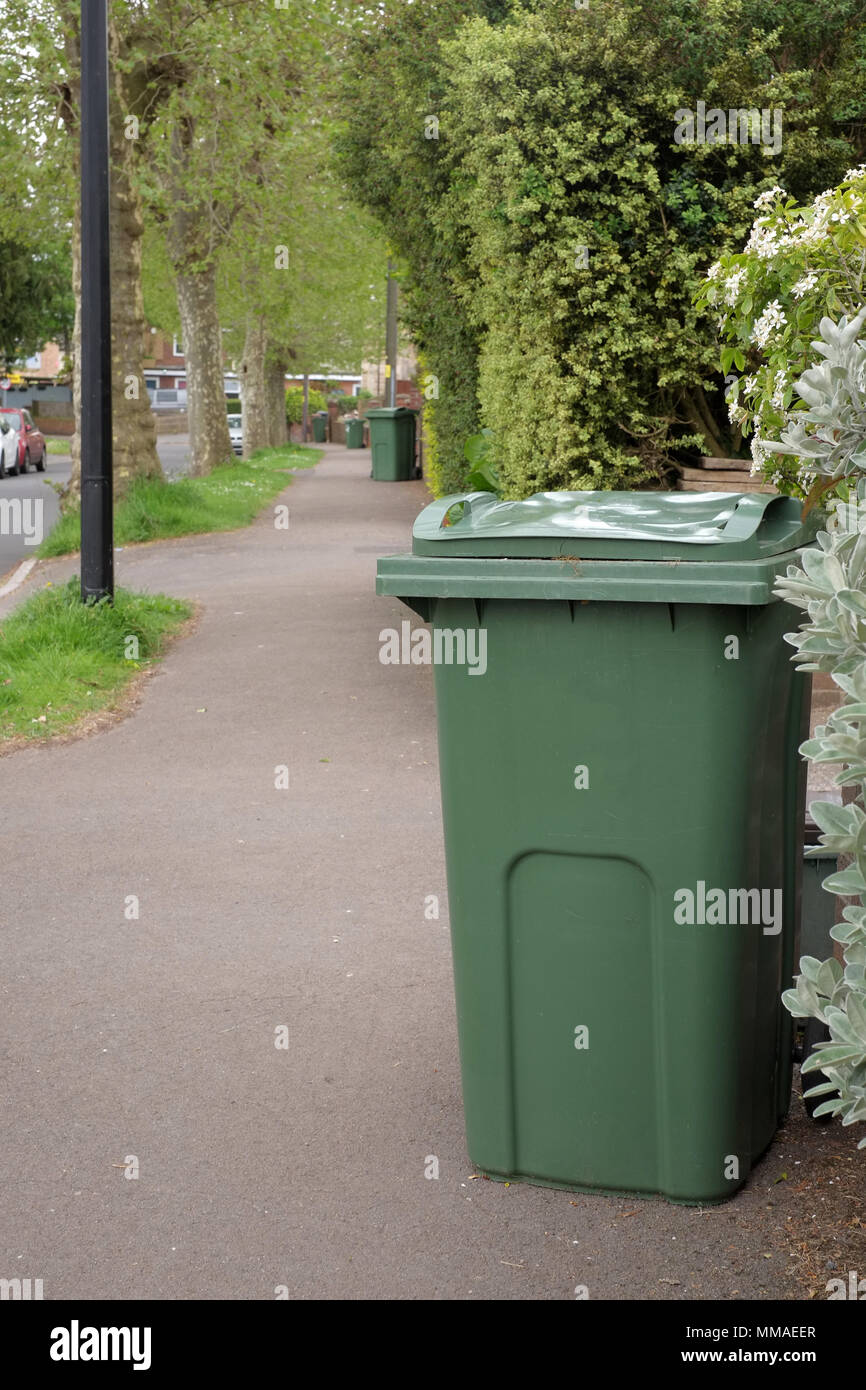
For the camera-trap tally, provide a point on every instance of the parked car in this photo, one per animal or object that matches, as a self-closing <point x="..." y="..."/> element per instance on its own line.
<point x="8" y="448"/>
<point x="236" y="434"/>
<point x="31" y="441"/>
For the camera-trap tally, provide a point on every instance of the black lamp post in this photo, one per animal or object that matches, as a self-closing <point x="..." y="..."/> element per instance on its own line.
<point x="97" y="521"/>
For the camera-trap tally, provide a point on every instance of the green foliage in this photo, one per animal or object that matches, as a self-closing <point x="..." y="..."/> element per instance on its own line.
<point x="302" y="261"/>
<point x="36" y="303"/>
<point x="479" y="451"/>
<point x="555" y="234"/>
<point x="61" y="659"/>
<point x="588" y="225"/>
<point x="157" y="282"/>
<point x="392" y="82"/>
<point x="295" y="403"/>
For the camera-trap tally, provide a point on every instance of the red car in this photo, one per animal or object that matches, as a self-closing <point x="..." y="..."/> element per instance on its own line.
<point x="31" y="441"/>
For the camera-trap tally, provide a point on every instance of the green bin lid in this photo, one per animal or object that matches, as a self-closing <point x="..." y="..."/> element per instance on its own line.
<point x="643" y="547"/>
<point x="614" y="526"/>
<point x="390" y="412"/>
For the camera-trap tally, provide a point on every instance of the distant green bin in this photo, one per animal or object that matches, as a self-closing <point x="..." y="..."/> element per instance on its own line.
<point x="320" y="427"/>
<point x="819" y="908"/>
<point x="354" y="434"/>
<point x="392" y="443"/>
<point x="625" y="762"/>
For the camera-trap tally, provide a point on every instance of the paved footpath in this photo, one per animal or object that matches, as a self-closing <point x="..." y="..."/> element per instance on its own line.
<point x="263" y="909"/>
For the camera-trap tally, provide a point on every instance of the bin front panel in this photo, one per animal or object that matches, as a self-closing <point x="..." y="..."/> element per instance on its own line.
<point x="613" y="761"/>
<point x="577" y="924"/>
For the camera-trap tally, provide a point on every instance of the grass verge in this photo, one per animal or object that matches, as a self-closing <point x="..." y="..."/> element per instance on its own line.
<point x="62" y="660"/>
<point x="228" y="498"/>
<point x="57" y="446"/>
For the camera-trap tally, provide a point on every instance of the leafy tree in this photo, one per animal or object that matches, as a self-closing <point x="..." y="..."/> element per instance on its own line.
<point x="36" y="301"/>
<point x="301" y="279"/>
<point x="390" y="150"/>
<point x="40" y="79"/>
<point x="233" y="108"/>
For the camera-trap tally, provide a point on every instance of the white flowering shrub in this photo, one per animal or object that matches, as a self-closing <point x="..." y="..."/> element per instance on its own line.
<point x="793" y="318"/>
<point x="800" y="265"/>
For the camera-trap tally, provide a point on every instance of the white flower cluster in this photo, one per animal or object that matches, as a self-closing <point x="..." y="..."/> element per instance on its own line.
<point x="764" y="199"/>
<point x="771" y="319"/>
<point x="810" y="230"/>
<point x="764" y="241"/>
<point x="732" y="285"/>
<point x="818" y="229"/>
<point x="780" y="381"/>
<point x="803" y="286"/>
<point x="759" y="455"/>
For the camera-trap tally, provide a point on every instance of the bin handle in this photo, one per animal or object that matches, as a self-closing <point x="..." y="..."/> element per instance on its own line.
<point x="439" y="509"/>
<point x="749" y="513"/>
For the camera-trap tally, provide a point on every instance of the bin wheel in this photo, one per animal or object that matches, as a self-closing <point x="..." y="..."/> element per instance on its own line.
<point x="814" y="1032"/>
<point x="418" y="473"/>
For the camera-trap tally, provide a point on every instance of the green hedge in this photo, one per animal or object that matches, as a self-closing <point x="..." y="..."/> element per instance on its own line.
<point x="595" y="369"/>
<point x="295" y="403"/>
<point x="392" y="82"/>
<point x="556" y="132"/>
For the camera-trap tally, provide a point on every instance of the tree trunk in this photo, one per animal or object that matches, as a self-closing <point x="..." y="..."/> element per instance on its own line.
<point x="275" y="376"/>
<point x="209" y="441"/>
<point x="253" y="378"/>
<point x="133" y="425"/>
<point x="701" y="425"/>
<point x="263" y="390"/>
<point x="716" y="435"/>
<point x="192" y="240"/>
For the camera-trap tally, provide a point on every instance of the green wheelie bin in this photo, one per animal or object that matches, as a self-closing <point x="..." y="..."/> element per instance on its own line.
<point x="392" y="443"/>
<point x="320" y="427"/>
<point x="623" y="805"/>
<point x="354" y="434"/>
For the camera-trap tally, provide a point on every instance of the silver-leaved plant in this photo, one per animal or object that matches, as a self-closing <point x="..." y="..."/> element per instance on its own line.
<point x="829" y="440"/>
